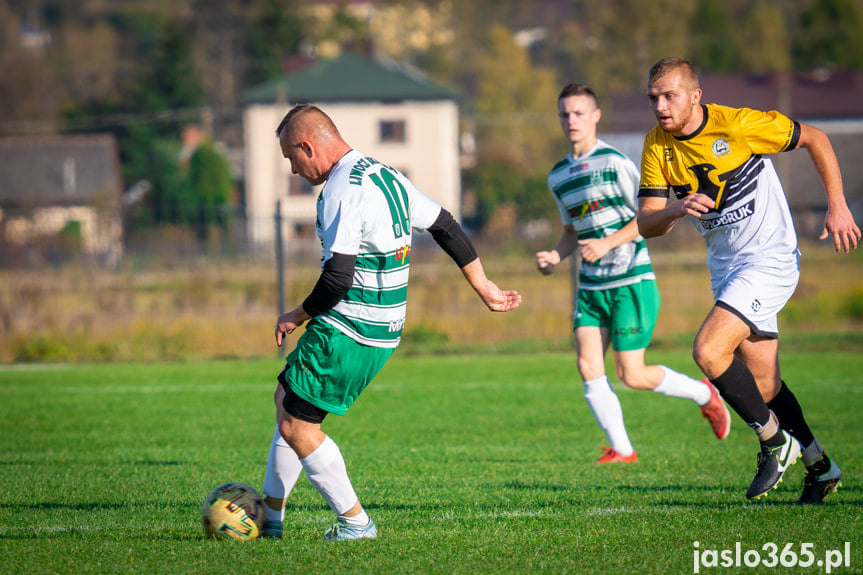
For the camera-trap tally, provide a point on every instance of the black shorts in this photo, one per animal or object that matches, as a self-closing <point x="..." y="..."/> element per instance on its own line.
<point x="298" y="407"/>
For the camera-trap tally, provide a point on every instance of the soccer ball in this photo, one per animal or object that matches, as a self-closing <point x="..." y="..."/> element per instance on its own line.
<point x="233" y="511"/>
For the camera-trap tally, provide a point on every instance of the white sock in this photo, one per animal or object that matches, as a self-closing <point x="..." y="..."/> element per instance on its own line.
<point x="283" y="470"/>
<point x="361" y="519"/>
<point x="676" y="384"/>
<point x="326" y="469"/>
<point x="609" y="415"/>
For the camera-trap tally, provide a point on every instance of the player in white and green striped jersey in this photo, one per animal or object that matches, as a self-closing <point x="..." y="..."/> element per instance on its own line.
<point x="595" y="187"/>
<point x="366" y="214"/>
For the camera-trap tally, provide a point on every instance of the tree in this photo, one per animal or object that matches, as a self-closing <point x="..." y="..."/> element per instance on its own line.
<point x="615" y="42"/>
<point x="713" y="44"/>
<point x="28" y="88"/>
<point x="515" y="104"/>
<point x="209" y="182"/>
<point x="496" y="183"/>
<point x="830" y="35"/>
<point x="150" y="148"/>
<point x="765" y="35"/>
<point x="171" y="80"/>
<point x="277" y="33"/>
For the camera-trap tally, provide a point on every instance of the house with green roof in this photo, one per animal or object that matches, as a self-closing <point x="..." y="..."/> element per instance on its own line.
<point x="383" y="108"/>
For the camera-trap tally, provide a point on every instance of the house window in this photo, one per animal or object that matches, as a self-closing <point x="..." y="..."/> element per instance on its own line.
<point x="393" y="131"/>
<point x="304" y="230"/>
<point x="298" y="186"/>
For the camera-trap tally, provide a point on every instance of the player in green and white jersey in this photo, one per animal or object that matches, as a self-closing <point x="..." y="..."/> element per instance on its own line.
<point x="366" y="215"/>
<point x="595" y="189"/>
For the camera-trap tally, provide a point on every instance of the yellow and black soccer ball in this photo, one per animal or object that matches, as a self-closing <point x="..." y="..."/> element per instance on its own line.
<point x="233" y="511"/>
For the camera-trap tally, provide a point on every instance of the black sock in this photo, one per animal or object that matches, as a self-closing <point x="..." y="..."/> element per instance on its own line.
<point x="821" y="464"/>
<point x="775" y="441"/>
<point x="738" y="388"/>
<point x="790" y="416"/>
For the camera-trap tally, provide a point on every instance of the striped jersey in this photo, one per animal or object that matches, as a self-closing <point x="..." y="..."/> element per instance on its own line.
<point x="369" y="210"/>
<point x="723" y="159"/>
<point x="596" y="195"/>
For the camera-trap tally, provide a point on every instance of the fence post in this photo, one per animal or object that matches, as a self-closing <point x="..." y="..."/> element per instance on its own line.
<point x="280" y="257"/>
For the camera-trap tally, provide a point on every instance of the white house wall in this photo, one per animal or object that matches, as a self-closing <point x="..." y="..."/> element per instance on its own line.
<point x="429" y="156"/>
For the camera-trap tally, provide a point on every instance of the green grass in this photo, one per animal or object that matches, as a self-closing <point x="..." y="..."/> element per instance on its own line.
<point x="469" y="464"/>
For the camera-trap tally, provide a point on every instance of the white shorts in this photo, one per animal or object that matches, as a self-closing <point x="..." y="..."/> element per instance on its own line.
<point x="757" y="290"/>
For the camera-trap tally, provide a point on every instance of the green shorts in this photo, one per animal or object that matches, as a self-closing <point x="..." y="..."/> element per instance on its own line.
<point x="330" y="370"/>
<point x="628" y="312"/>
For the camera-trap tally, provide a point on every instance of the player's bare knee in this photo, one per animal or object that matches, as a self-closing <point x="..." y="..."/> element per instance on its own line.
<point x="590" y="369"/>
<point x="634" y="378"/>
<point x="712" y="362"/>
<point x="287" y="431"/>
<point x="701" y="353"/>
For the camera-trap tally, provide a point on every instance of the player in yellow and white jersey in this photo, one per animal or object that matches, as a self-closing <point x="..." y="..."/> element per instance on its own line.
<point x="710" y="157"/>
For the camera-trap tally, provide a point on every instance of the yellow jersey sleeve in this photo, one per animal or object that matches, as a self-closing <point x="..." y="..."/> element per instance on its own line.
<point x="767" y="132"/>
<point x="653" y="181"/>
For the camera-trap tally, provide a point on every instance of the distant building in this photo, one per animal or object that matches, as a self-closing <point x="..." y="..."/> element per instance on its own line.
<point x="384" y="109"/>
<point x="56" y="185"/>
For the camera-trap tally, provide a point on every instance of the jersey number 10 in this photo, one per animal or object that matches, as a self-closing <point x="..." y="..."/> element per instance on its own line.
<point x="398" y="202"/>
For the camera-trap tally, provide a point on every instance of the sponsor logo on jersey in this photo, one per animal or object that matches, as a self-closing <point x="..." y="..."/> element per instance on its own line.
<point x="578" y="168"/>
<point x="402" y="254"/>
<point x="737" y="215"/>
<point x="669" y="155"/>
<point x="397" y="325"/>
<point x="721" y="147"/>
<point x="588" y="208"/>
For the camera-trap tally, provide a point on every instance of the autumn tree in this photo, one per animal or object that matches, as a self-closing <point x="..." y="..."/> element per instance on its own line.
<point x="29" y="89"/>
<point x="616" y="41"/>
<point x="764" y="33"/>
<point x="515" y="103"/>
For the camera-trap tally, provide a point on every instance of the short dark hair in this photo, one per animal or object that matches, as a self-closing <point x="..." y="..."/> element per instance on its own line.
<point x="297" y="110"/>
<point x="577" y="90"/>
<point x="673" y="64"/>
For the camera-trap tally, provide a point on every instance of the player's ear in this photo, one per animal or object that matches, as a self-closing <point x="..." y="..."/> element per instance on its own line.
<point x="696" y="96"/>
<point x="307" y="148"/>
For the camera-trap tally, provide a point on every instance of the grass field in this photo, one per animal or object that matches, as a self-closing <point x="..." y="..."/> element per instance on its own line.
<point x="468" y="464"/>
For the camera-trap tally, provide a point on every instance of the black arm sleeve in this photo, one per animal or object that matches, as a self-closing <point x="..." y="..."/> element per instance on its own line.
<point x="450" y="236"/>
<point x="335" y="281"/>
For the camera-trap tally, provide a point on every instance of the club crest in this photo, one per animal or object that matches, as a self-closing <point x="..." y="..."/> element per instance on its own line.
<point x="720" y="147"/>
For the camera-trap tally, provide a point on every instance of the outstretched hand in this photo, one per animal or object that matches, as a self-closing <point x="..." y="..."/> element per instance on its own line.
<point x="497" y="299"/>
<point x="840" y="224"/>
<point x="494" y="298"/>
